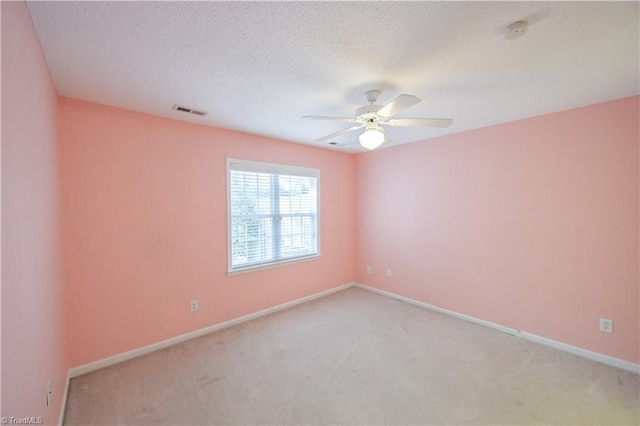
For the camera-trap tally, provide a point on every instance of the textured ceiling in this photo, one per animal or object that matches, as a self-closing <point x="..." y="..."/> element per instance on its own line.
<point x="258" y="67"/>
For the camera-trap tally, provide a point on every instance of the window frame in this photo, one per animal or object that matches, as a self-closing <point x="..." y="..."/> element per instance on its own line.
<point x="271" y="168"/>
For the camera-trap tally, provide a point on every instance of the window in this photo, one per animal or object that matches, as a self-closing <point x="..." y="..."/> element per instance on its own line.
<point x="272" y="213"/>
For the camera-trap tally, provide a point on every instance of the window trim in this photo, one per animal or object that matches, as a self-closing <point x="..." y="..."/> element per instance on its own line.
<point x="272" y="168"/>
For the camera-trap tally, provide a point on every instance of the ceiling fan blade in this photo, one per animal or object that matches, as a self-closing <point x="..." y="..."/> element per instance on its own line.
<point x="322" y="117"/>
<point x="400" y="103"/>
<point x="424" y="122"/>
<point x="338" y="133"/>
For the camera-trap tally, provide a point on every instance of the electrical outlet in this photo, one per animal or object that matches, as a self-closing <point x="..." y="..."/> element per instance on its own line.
<point x="368" y="270"/>
<point x="49" y="392"/>
<point x="193" y="306"/>
<point x="388" y="272"/>
<point x="606" y="325"/>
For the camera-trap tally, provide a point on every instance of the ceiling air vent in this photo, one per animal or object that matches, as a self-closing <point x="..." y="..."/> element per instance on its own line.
<point x="189" y="110"/>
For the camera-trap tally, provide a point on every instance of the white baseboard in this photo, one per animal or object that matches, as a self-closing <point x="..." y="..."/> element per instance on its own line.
<point x="105" y="362"/>
<point x="64" y="401"/>
<point x="585" y="353"/>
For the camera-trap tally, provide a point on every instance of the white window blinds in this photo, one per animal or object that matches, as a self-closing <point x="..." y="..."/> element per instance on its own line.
<point x="272" y="213"/>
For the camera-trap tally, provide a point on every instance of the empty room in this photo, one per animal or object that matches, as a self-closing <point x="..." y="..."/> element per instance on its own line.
<point x="320" y="213"/>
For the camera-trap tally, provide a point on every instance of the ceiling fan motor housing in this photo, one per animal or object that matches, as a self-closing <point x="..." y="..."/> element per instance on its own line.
<point x="368" y="112"/>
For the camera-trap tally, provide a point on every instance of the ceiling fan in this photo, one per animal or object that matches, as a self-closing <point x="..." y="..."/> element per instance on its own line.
<point x="372" y="117"/>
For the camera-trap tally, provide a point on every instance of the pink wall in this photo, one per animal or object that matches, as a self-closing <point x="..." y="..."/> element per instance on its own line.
<point x="145" y="227"/>
<point x="33" y="336"/>
<point x="532" y="224"/>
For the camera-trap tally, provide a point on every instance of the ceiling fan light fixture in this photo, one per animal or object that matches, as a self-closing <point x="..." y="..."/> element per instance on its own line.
<point x="374" y="117"/>
<point x="371" y="138"/>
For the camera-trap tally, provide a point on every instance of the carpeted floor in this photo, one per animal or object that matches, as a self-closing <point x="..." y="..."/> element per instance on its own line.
<point x="355" y="358"/>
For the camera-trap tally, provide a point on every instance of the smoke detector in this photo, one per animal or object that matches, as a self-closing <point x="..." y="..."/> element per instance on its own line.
<point x="516" y="29"/>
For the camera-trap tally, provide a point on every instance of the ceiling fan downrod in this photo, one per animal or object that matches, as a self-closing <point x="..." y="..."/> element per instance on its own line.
<point x="372" y="96"/>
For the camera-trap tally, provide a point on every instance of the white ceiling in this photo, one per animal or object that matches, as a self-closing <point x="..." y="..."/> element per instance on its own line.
<point x="258" y="67"/>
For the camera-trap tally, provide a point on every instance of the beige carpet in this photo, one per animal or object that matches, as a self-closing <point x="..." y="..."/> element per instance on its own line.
<point x="355" y="358"/>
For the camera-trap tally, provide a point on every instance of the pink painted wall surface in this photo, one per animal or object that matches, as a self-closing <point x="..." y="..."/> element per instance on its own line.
<point x="145" y="228"/>
<point x="532" y="224"/>
<point x="33" y="329"/>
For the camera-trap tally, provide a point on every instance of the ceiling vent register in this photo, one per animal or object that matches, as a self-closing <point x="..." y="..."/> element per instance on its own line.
<point x="189" y="110"/>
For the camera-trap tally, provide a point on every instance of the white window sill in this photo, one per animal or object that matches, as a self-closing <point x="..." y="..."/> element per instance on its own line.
<point x="273" y="264"/>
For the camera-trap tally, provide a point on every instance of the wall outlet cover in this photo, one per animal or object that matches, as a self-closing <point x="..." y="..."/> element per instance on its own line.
<point x="606" y="325"/>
